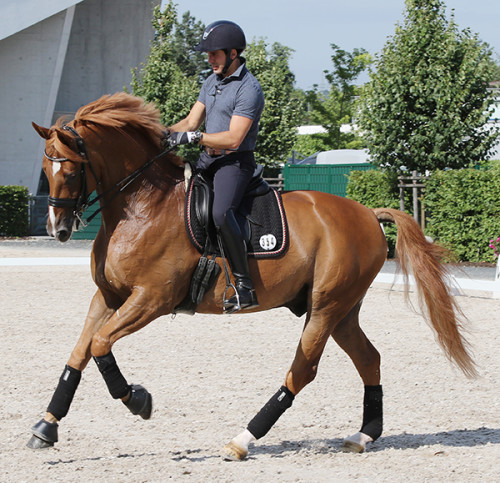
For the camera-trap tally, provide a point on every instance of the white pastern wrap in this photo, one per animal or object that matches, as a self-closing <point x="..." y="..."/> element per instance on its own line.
<point x="244" y="439"/>
<point x="360" y="438"/>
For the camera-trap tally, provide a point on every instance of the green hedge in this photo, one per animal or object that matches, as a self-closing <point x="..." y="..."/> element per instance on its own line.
<point x="14" y="217"/>
<point x="376" y="189"/>
<point x="462" y="206"/>
<point x="463" y="211"/>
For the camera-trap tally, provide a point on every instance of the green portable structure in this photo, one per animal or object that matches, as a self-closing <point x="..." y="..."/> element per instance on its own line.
<point x="329" y="178"/>
<point x="90" y="231"/>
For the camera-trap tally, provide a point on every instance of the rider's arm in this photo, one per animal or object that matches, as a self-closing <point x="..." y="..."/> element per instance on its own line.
<point x="238" y="129"/>
<point x="192" y="121"/>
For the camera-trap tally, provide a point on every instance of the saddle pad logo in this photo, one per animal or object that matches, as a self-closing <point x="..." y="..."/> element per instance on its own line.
<point x="268" y="242"/>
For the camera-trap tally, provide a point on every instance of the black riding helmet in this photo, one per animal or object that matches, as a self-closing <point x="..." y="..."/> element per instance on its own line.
<point x="222" y="35"/>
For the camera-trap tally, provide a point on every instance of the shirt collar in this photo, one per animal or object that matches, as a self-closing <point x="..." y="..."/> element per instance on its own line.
<point x="237" y="74"/>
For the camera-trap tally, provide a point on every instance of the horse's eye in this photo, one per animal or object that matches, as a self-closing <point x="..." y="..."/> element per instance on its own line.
<point x="69" y="177"/>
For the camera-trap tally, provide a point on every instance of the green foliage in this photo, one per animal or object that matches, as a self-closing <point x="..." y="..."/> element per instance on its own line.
<point x="335" y="108"/>
<point x="283" y="110"/>
<point x="171" y="78"/>
<point x="426" y="105"/>
<point x="376" y="189"/>
<point x="186" y="35"/>
<point x="308" y="144"/>
<point x="495" y="68"/>
<point x="14" y="202"/>
<point x="463" y="210"/>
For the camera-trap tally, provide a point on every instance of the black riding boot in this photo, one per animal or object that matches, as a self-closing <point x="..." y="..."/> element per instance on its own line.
<point x="236" y="252"/>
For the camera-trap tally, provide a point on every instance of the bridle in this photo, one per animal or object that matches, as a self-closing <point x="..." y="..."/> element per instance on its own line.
<point x="82" y="202"/>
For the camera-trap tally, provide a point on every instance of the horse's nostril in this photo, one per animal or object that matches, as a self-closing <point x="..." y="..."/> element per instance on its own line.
<point x="63" y="235"/>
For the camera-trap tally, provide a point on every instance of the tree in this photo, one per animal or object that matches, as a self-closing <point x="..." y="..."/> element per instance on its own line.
<point x="333" y="109"/>
<point x="187" y="34"/>
<point x="427" y="103"/>
<point x="283" y="110"/>
<point x="495" y="69"/>
<point x="170" y="78"/>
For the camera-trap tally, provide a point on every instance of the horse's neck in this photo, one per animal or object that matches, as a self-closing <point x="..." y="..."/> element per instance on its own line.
<point x="159" y="189"/>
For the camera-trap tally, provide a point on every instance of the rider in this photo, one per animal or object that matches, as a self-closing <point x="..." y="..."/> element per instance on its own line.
<point x="230" y="103"/>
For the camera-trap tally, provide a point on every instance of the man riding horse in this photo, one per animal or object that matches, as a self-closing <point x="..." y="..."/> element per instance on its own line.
<point x="230" y="103"/>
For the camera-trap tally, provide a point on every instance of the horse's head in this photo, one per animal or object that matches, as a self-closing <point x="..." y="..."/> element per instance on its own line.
<point x="63" y="164"/>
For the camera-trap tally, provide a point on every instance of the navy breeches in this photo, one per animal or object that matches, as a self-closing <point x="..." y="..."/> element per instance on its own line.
<point x="231" y="176"/>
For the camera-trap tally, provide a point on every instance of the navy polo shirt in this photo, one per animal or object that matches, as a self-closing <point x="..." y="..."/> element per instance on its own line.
<point x="239" y="94"/>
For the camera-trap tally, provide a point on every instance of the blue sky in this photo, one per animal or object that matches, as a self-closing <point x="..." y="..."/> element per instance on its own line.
<point x="310" y="26"/>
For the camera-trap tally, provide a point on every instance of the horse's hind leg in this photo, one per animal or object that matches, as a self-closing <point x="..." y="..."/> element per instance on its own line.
<point x="45" y="431"/>
<point x="302" y="371"/>
<point x="353" y="341"/>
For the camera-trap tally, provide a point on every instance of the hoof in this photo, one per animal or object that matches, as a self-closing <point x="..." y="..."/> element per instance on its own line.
<point x="44" y="435"/>
<point x="140" y="402"/>
<point x="352" y="447"/>
<point x="356" y="443"/>
<point x="234" y="452"/>
<point x="36" y="443"/>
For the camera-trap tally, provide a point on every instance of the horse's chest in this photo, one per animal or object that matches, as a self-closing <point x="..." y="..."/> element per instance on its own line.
<point x="110" y="277"/>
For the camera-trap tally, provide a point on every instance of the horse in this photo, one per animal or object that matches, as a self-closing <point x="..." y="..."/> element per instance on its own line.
<point x="142" y="261"/>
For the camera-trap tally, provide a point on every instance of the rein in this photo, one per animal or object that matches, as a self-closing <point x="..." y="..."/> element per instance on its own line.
<point x="83" y="202"/>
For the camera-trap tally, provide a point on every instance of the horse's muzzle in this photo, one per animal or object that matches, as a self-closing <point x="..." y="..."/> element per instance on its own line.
<point x="60" y="225"/>
<point x="63" y="235"/>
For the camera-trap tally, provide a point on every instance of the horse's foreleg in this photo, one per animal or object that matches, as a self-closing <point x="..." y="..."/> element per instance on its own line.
<point x="303" y="371"/>
<point x="353" y="341"/>
<point x="45" y="431"/>
<point x="134" y="314"/>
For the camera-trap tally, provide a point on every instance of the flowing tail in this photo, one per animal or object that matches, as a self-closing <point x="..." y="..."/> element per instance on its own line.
<point x="423" y="259"/>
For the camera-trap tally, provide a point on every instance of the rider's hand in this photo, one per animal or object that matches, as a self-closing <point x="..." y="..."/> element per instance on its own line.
<point x="177" y="138"/>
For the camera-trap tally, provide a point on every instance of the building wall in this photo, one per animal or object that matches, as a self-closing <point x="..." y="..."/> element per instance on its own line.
<point x="59" y="64"/>
<point x="28" y="60"/>
<point x="108" y="39"/>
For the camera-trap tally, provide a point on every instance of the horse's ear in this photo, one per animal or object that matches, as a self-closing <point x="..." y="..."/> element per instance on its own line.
<point x="42" y="131"/>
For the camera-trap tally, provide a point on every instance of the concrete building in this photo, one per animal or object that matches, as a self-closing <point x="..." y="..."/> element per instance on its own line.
<point x="56" y="56"/>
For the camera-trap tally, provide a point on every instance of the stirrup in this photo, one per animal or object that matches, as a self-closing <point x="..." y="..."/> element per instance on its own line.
<point x="231" y="307"/>
<point x="228" y="307"/>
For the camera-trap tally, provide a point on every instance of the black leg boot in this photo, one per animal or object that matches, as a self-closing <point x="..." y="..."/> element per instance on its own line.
<point x="236" y="252"/>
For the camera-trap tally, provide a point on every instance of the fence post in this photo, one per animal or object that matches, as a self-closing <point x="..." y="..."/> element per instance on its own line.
<point x="415" y="196"/>
<point x="401" y="194"/>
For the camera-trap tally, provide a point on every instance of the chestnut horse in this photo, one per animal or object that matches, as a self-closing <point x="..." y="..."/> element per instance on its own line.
<point x="142" y="261"/>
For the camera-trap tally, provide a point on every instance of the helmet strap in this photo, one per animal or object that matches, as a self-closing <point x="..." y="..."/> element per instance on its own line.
<point x="229" y="61"/>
